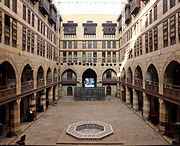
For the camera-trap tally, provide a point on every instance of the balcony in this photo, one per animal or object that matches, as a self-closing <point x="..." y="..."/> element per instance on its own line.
<point x="129" y="81"/>
<point x="138" y="83"/>
<point x="71" y="81"/>
<point x="44" y="6"/>
<point x="152" y="87"/>
<point x="112" y="80"/>
<point x="40" y="83"/>
<point x="52" y="14"/>
<point x="135" y="6"/>
<point x="27" y="86"/>
<point x="171" y="91"/>
<point x="7" y="91"/>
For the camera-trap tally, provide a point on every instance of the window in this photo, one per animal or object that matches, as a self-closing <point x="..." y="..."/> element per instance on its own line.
<point x="84" y="44"/>
<point x="165" y="33"/>
<point x="38" y="25"/>
<point x="41" y="27"/>
<point x="109" y="44"/>
<point x="38" y="45"/>
<point x="89" y="57"/>
<point x="150" y="41"/>
<point x="14" y="33"/>
<point x="109" y="57"/>
<point x="69" y="44"/>
<point x="44" y="29"/>
<point x="103" y="57"/>
<point x="150" y="17"/>
<point x="75" y="57"/>
<point x="0" y="26"/>
<point x="137" y="47"/>
<point x="32" y="42"/>
<point x="28" y="40"/>
<point x="23" y="38"/>
<point x="64" y="44"/>
<point x="173" y="30"/>
<point x="103" y="44"/>
<point x="140" y="25"/>
<point x="155" y="12"/>
<point x="32" y="19"/>
<point x="7" y="30"/>
<point x="24" y="12"/>
<point x="75" y="44"/>
<point x="140" y="45"/>
<point x="14" y="5"/>
<point x="7" y="3"/>
<point x="135" y="54"/>
<point x="29" y="16"/>
<point x="114" y="57"/>
<point x="179" y="25"/>
<point x="165" y="7"/>
<point x="172" y="3"/>
<point x="155" y="38"/>
<point x="89" y="44"/>
<point x="146" y="20"/>
<point x="95" y="44"/>
<point x="41" y="47"/>
<point x="69" y="57"/>
<point x="114" y="44"/>
<point x="64" y="57"/>
<point x="146" y="42"/>
<point x="84" y="57"/>
<point x="95" y="57"/>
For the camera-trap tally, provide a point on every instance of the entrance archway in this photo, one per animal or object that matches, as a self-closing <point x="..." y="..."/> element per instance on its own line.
<point x="89" y="78"/>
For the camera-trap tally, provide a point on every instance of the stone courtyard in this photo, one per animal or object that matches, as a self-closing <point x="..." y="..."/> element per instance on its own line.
<point x="128" y="128"/>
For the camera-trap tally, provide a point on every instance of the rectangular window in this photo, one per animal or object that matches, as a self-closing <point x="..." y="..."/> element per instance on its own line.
<point x="47" y="33"/>
<point x="109" y="44"/>
<point x="7" y="30"/>
<point x="137" y="47"/>
<point x="75" y="44"/>
<point x="114" y="44"/>
<point x="64" y="57"/>
<point x="89" y="44"/>
<point x="38" y="45"/>
<point x="103" y="57"/>
<point x="150" y="41"/>
<point x="89" y="57"/>
<point x="32" y="19"/>
<point x="135" y="50"/>
<point x="95" y="57"/>
<point x="165" y="33"/>
<point x="114" y="57"/>
<point x="150" y="17"/>
<point x="41" y="47"/>
<point x="146" y="42"/>
<point x="29" y="16"/>
<point x="75" y="57"/>
<point x="146" y="20"/>
<point x="14" y="5"/>
<point x="38" y="25"/>
<point x="140" y="45"/>
<point x="155" y="12"/>
<point x="41" y="27"/>
<point x="32" y="42"/>
<point x="69" y="57"/>
<point x="28" y="40"/>
<point x="24" y="12"/>
<point x="179" y="25"/>
<point x="69" y="44"/>
<point x="0" y="26"/>
<point x="84" y="57"/>
<point x="103" y="44"/>
<point x="7" y="3"/>
<point x="173" y="30"/>
<point x="84" y="44"/>
<point x="109" y="57"/>
<point x="23" y="38"/>
<point x="155" y="38"/>
<point x="44" y="29"/>
<point x="14" y="33"/>
<point x="165" y="7"/>
<point x="64" y="44"/>
<point x="95" y="44"/>
<point x="172" y="3"/>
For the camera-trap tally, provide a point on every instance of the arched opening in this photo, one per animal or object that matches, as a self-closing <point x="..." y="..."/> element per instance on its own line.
<point x="69" y="91"/>
<point x="129" y="76"/>
<point x="138" y="77"/>
<point x="123" y="76"/>
<point x="40" y="77"/>
<point x="172" y="89"/>
<point x="152" y="79"/>
<point x="3" y="116"/>
<point x="123" y="92"/>
<point x="27" y="80"/>
<point x="55" y="75"/>
<point x="108" y="90"/>
<point x="89" y="78"/>
<point x="49" y="76"/>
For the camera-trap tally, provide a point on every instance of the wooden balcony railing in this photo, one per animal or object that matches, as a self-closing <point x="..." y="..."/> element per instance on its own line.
<point x="68" y="81"/>
<point x="110" y="80"/>
<point x="55" y="79"/>
<point x="171" y="91"/>
<point x="4" y="91"/>
<point x="129" y="81"/>
<point x="152" y="86"/>
<point x="138" y="83"/>
<point x="40" y="83"/>
<point x="29" y="85"/>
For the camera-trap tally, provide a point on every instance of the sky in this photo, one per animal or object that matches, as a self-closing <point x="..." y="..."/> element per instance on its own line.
<point x="89" y="6"/>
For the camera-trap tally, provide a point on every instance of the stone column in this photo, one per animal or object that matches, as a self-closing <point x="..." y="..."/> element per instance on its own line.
<point x="43" y="99"/>
<point x="146" y="106"/>
<point x="32" y="102"/>
<point x="60" y="90"/>
<point x="135" y="100"/>
<point x="15" y="117"/>
<point x="127" y="95"/>
<point x="163" y="115"/>
<point x="50" y="95"/>
<point x="56" y="93"/>
<point x="118" y="91"/>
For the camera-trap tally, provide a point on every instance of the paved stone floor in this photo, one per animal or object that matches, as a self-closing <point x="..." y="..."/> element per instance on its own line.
<point x="128" y="128"/>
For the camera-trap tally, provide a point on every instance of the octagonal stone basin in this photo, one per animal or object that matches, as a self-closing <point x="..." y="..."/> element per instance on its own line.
<point x="89" y="130"/>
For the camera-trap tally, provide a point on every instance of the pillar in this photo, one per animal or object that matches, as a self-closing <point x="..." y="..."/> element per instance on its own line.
<point x="60" y="90"/>
<point x="135" y="100"/>
<point x="146" y="106"/>
<point x="163" y="115"/>
<point x="43" y="99"/>
<point x="15" y="117"/>
<point x="32" y="102"/>
<point x="127" y="95"/>
<point x="50" y="95"/>
<point x="118" y="91"/>
<point x="56" y="93"/>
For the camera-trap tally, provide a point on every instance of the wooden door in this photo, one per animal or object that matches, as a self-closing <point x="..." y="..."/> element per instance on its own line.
<point x="69" y="91"/>
<point x="108" y="90"/>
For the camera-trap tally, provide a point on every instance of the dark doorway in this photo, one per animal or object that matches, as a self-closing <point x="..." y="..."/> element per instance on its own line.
<point x="3" y="114"/>
<point x="69" y="91"/>
<point x="89" y="78"/>
<point x="108" y="90"/>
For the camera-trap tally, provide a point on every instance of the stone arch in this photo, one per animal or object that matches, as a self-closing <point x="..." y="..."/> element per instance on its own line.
<point x="40" y="76"/>
<point x="71" y="68"/>
<point x="89" y="78"/>
<point x="69" y="74"/>
<point x="109" y="73"/>
<point x="152" y="74"/>
<point x="48" y="76"/>
<point x="129" y="73"/>
<point x="55" y="74"/>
